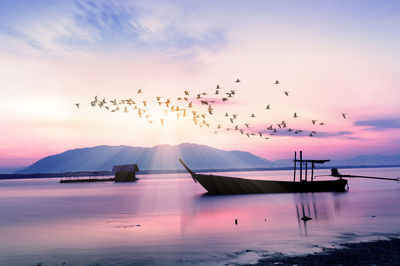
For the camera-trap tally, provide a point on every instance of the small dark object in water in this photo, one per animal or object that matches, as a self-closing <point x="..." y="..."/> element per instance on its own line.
<point x="306" y="218"/>
<point x="138" y="225"/>
<point x="236" y="221"/>
<point x="373" y="216"/>
<point x="265" y="219"/>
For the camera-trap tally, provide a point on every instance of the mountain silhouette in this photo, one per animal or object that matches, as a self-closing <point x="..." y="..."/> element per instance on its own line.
<point x="160" y="157"/>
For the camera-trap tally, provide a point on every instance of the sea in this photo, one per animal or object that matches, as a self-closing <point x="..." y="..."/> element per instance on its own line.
<point x="167" y="219"/>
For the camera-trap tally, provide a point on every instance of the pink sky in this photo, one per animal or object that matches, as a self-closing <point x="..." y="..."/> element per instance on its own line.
<point x="329" y="64"/>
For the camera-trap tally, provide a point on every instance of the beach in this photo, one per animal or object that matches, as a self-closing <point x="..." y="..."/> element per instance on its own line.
<point x="379" y="252"/>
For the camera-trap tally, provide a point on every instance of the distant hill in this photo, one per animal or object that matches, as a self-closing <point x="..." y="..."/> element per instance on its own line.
<point x="375" y="159"/>
<point x="160" y="157"/>
<point x="165" y="157"/>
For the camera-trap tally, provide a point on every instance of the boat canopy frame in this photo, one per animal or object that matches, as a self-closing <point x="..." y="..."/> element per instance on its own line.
<point x="301" y="162"/>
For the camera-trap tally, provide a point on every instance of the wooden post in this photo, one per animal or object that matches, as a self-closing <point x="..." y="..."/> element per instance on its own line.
<point x="306" y="171"/>
<point x="294" y="171"/>
<point x="301" y="165"/>
<point x="312" y="172"/>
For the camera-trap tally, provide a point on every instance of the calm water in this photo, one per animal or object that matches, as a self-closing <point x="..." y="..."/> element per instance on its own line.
<point x="167" y="219"/>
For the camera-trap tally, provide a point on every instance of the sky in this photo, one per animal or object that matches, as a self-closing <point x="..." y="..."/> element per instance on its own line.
<point x="332" y="57"/>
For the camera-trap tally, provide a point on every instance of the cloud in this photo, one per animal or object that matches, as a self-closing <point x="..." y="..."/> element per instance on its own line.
<point x="379" y="124"/>
<point x="123" y="27"/>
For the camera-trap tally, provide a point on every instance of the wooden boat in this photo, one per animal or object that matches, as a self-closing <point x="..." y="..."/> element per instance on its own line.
<point x="219" y="185"/>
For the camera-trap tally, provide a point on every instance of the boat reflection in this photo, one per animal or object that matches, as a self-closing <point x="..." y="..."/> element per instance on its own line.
<point x="261" y="213"/>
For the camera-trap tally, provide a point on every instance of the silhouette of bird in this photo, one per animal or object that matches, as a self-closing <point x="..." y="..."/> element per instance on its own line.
<point x="268" y="107"/>
<point x="277" y="82"/>
<point x="322" y="123"/>
<point x="224" y="99"/>
<point x="252" y="115"/>
<point x="162" y="121"/>
<point x="217" y="92"/>
<point x="248" y="135"/>
<point x="313" y="121"/>
<point x="219" y="126"/>
<point x="295" y="115"/>
<point x="259" y="133"/>
<point x="287" y="93"/>
<point x="241" y="131"/>
<point x="344" y="115"/>
<point x="190" y="105"/>
<point x="247" y="125"/>
<point x="187" y="93"/>
<point x="217" y="87"/>
<point x="145" y="103"/>
<point x="236" y="221"/>
<point x="140" y="91"/>
<point x="77" y="104"/>
<point x="235" y="116"/>
<point x="158" y="98"/>
<point x="226" y="114"/>
<point x="236" y="127"/>
<point x="231" y="120"/>
<point x="237" y="81"/>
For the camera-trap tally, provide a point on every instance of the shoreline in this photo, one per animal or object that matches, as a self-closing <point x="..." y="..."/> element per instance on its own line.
<point x="178" y="171"/>
<point x="375" y="252"/>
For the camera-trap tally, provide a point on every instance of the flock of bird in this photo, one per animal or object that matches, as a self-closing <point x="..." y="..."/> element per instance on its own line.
<point x="199" y="108"/>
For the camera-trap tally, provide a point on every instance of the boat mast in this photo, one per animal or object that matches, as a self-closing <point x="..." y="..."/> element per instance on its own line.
<point x="301" y="165"/>
<point x="294" y="168"/>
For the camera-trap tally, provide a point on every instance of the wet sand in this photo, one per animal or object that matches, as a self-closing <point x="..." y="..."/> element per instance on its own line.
<point x="380" y="252"/>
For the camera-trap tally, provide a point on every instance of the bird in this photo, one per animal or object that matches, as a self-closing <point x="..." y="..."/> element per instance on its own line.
<point x="236" y="221"/>
<point x="235" y="116"/>
<point x="162" y="121"/>
<point x="77" y="104"/>
<point x="344" y="115"/>
<point x="322" y="123"/>
<point x="145" y="103"/>
<point x="313" y="121"/>
<point x="158" y="98"/>
<point x="295" y="115"/>
<point x="217" y="87"/>
<point x="236" y="127"/>
<point x="139" y="91"/>
<point x="252" y="115"/>
<point x="247" y="125"/>
<point x="226" y="114"/>
<point x="224" y="99"/>
<point x="187" y="93"/>
<point x="217" y="92"/>
<point x="277" y="82"/>
<point x="259" y="133"/>
<point x="231" y="120"/>
<point x="238" y="80"/>
<point x="268" y="107"/>
<point x="287" y="93"/>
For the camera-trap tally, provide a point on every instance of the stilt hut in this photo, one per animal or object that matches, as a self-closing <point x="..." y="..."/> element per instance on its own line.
<point x="125" y="173"/>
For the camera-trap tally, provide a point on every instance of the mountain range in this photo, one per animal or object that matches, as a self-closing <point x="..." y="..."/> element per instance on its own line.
<point x="165" y="157"/>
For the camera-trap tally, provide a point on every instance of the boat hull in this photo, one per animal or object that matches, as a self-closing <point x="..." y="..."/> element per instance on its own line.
<point x="222" y="185"/>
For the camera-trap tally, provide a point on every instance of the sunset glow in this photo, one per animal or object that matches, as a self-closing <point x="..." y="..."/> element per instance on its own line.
<point x="73" y="51"/>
